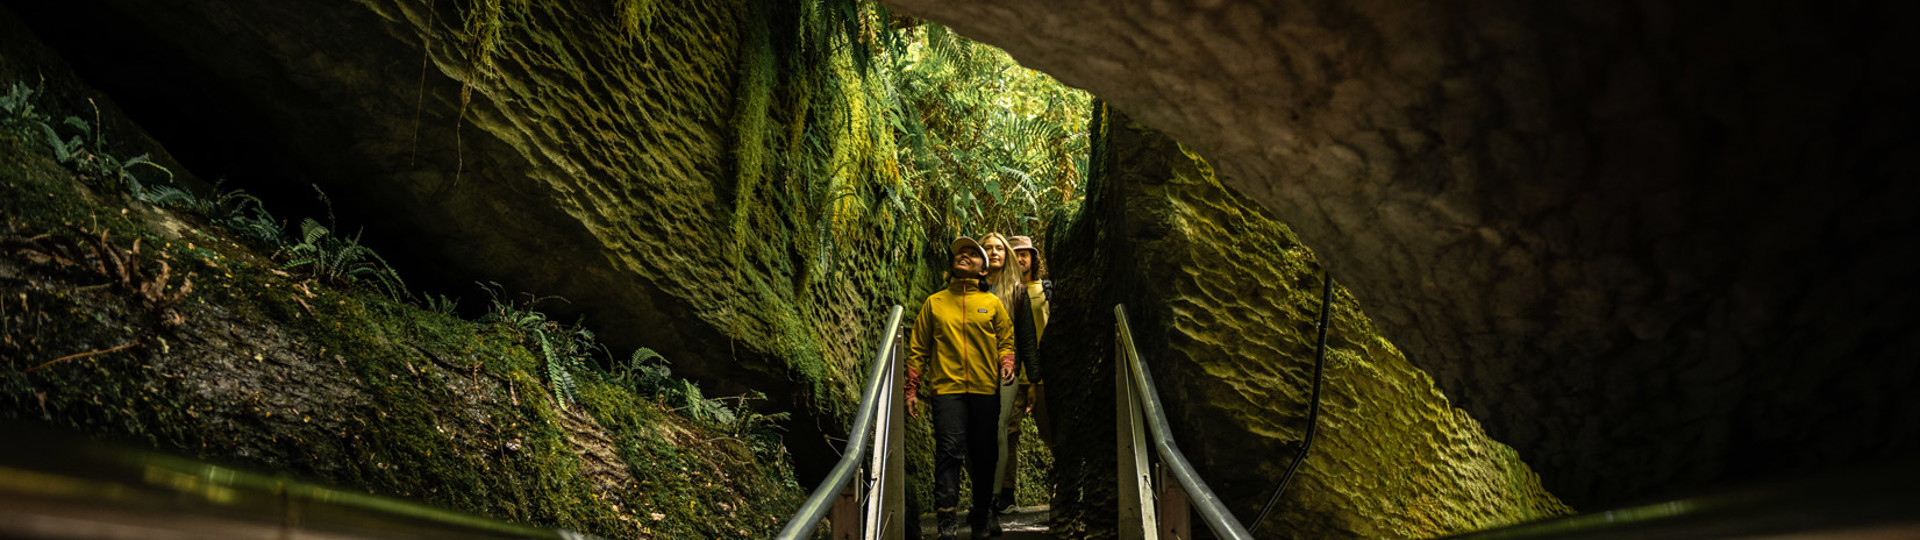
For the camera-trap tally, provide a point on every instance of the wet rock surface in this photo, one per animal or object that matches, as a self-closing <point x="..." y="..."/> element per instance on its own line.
<point x="1652" y="246"/>
<point x="1223" y="302"/>
<point x="581" y="154"/>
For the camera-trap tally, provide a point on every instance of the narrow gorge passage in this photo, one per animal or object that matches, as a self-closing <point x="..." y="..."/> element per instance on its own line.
<point x="617" y="267"/>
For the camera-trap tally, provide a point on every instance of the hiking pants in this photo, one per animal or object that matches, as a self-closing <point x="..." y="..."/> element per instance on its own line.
<point x="1030" y="395"/>
<point x="965" y="430"/>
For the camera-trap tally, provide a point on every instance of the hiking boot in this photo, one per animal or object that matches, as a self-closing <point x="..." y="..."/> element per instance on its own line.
<point x="949" y="522"/>
<point x="1003" y="503"/>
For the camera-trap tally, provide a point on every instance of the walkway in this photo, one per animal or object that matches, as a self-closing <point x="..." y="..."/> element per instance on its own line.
<point x="1025" y="523"/>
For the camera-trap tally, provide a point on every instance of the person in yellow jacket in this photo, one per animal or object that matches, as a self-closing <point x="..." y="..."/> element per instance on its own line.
<point x="962" y="346"/>
<point x="1030" y="308"/>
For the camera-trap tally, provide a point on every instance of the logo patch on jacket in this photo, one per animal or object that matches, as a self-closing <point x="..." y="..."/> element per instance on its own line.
<point x="982" y="310"/>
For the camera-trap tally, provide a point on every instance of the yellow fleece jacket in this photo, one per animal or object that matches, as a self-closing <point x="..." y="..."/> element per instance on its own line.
<point x="964" y="332"/>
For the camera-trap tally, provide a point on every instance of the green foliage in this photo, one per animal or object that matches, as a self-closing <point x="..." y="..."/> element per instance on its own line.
<point x="441" y="304"/>
<point x="751" y="152"/>
<point x="341" y="260"/>
<point x="87" y="153"/>
<point x="987" y="144"/>
<point x="759" y="431"/>
<point x="646" y="373"/>
<point x="697" y="406"/>
<point x="85" y="150"/>
<point x="18" y="114"/>
<point x="564" y="349"/>
<point x="433" y="414"/>
<point x="902" y="131"/>
<point x="236" y="210"/>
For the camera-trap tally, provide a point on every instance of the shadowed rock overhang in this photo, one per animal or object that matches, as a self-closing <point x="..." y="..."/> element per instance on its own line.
<point x="1651" y="246"/>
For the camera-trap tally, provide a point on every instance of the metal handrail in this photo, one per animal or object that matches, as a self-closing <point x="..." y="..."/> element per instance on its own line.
<point x="877" y="394"/>
<point x="1212" y="511"/>
<point x="1877" y="502"/>
<point x="1313" y="402"/>
<point x="53" y="485"/>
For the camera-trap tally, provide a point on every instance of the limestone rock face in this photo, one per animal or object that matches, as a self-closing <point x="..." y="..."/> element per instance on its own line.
<point x="560" y="148"/>
<point x="1650" y="245"/>
<point x="1223" y="304"/>
<point x="145" y="324"/>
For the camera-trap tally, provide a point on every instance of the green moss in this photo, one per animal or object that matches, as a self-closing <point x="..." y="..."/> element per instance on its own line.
<point x="342" y="385"/>
<point x="1230" y="343"/>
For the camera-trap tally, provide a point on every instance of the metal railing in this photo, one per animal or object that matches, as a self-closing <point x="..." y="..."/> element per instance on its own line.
<point x="1139" y="416"/>
<point x="58" y="486"/>
<point x="1872" y="503"/>
<point x="874" y="508"/>
<point x="1313" y="403"/>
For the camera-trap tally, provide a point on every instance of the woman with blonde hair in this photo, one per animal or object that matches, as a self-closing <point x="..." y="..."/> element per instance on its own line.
<point x="1030" y="310"/>
<point x="1003" y="280"/>
<point x="1003" y="269"/>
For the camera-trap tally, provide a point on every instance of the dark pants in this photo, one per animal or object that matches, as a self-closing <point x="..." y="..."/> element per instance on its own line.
<point x="968" y="423"/>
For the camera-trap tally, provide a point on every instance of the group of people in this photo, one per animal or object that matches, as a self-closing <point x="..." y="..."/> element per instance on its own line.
<point x="974" y="349"/>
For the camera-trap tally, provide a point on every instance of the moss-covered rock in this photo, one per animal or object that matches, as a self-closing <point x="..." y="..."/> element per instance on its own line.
<point x="667" y="167"/>
<point x="1223" y="304"/>
<point x="1654" y="246"/>
<point x="129" y="322"/>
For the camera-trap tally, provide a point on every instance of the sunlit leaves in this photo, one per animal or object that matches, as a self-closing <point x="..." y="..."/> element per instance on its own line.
<point x="1000" y="142"/>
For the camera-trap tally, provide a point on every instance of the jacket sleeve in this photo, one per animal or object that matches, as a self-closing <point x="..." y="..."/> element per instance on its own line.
<point x="920" y="340"/>
<point x="1003" y="332"/>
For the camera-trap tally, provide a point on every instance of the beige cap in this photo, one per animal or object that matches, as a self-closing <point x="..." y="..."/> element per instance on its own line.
<point x="968" y="243"/>
<point x="1021" y="242"/>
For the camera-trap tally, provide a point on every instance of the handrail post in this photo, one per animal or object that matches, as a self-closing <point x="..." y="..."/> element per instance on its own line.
<point x="877" y="472"/>
<point x="890" y="521"/>
<point x="844" y="516"/>
<point x="1139" y="402"/>
<point x="1172" y="506"/>
<point x="1136" y="496"/>
<point x="860" y="436"/>
<point x="896" y="488"/>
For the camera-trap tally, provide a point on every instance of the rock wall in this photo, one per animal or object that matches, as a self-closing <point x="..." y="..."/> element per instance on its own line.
<point x="129" y="322"/>
<point x="1651" y="245"/>
<point x="649" y="165"/>
<point x="1223" y="302"/>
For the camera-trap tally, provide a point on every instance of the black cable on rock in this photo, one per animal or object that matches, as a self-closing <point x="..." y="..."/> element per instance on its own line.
<point x="1313" y="403"/>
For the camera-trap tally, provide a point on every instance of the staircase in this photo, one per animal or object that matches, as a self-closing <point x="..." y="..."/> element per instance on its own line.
<point x="55" y="488"/>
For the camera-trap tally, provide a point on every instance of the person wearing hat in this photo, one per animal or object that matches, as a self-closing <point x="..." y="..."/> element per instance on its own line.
<point x="961" y="349"/>
<point x="1030" y="309"/>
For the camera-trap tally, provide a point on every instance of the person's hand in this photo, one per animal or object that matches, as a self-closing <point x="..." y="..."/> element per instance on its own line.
<point x="1006" y="369"/>
<point x="912" y="390"/>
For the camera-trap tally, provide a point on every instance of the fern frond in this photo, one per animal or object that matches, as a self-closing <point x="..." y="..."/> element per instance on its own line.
<point x="169" y="196"/>
<point x="644" y="354"/>
<point x="311" y="232"/>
